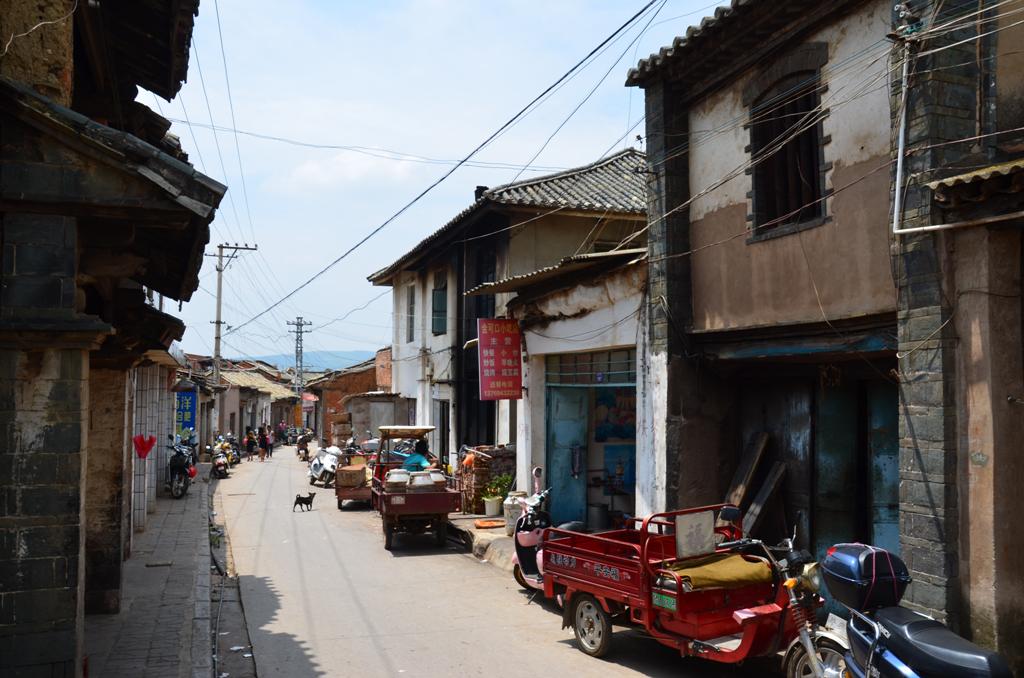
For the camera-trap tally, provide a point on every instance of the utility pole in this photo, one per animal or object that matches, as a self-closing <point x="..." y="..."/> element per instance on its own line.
<point x="221" y="257"/>
<point x="299" y="324"/>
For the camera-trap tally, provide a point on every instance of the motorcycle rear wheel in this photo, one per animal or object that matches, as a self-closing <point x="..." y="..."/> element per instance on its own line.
<point x="517" y="573"/>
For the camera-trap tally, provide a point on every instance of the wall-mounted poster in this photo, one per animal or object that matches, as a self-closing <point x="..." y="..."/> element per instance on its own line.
<point x="615" y="414"/>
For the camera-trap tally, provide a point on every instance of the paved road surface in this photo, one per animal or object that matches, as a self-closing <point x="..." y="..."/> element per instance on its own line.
<point x="323" y="597"/>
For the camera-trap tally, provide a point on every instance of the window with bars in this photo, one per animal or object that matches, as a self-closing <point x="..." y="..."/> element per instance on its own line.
<point x="786" y="151"/>
<point x="439" y="304"/>
<point x="599" y="367"/>
<point x="410" y="313"/>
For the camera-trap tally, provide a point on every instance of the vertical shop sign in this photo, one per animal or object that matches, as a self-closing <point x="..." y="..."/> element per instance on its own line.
<point x="184" y="411"/>
<point x="500" y="355"/>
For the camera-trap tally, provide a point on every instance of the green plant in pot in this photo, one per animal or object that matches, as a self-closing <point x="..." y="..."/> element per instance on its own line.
<point x="495" y="492"/>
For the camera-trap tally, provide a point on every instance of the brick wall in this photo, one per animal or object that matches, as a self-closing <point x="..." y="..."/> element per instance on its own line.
<point x="107" y="488"/>
<point x="43" y="406"/>
<point x="334" y="393"/>
<point x="382" y="363"/>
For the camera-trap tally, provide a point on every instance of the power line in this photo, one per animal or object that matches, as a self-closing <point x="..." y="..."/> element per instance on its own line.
<point x="451" y="171"/>
<point x="377" y="152"/>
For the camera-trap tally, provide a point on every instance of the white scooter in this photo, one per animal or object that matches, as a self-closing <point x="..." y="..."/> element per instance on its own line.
<point x="324" y="466"/>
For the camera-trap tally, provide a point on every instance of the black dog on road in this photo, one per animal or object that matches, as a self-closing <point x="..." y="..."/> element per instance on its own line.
<point x="306" y="501"/>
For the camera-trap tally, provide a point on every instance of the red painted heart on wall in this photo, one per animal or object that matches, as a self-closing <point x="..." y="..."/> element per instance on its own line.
<point x="143" y="445"/>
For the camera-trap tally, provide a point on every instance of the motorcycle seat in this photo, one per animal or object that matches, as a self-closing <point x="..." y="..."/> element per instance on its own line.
<point x="932" y="650"/>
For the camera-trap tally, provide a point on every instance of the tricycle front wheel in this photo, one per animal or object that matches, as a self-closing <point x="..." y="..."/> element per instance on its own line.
<point x="592" y="625"/>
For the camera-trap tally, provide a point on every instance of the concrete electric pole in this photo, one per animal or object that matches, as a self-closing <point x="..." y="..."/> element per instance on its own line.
<point x="299" y="324"/>
<point x="221" y="257"/>
<point x="234" y="249"/>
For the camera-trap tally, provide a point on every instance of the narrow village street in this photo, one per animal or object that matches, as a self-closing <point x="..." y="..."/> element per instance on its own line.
<point x="323" y="597"/>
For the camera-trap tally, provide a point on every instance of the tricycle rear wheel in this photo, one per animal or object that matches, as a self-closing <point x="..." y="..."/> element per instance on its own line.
<point x="441" y="532"/>
<point x="389" y="535"/>
<point x="592" y="625"/>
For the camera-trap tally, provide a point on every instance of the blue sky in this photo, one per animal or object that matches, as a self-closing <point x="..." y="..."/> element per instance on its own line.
<point x="430" y="78"/>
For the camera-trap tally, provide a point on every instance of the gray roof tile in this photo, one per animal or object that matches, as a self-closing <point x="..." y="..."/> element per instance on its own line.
<point x="615" y="184"/>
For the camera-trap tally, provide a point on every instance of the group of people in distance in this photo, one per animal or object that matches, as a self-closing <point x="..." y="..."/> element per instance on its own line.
<point x="261" y="440"/>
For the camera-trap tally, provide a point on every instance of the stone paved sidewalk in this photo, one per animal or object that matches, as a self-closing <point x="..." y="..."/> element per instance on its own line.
<point x="163" y="629"/>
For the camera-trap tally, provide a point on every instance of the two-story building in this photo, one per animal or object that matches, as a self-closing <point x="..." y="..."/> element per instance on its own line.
<point x="509" y="230"/>
<point x="835" y="260"/>
<point x="772" y="306"/>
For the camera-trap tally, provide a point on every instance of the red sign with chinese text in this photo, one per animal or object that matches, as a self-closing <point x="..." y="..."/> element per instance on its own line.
<point x="500" y="355"/>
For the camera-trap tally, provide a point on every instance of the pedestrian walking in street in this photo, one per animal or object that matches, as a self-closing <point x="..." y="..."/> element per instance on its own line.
<point x="261" y="440"/>
<point x="250" y="445"/>
<point x="270" y="442"/>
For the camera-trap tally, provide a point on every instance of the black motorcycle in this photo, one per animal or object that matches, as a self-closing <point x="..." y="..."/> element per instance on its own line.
<point x="888" y="641"/>
<point x="180" y="468"/>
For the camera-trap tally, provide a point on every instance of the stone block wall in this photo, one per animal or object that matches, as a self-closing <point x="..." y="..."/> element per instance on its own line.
<point x="43" y="432"/>
<point x="941" y="107"/>
<point x="38" y="267"/>
<point x="107" y="490"/>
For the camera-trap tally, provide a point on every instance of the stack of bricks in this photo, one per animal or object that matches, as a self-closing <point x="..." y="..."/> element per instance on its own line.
<point x="474" y="480"/>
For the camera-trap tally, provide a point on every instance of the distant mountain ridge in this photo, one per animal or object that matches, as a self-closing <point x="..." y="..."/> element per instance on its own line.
<point x="318" y="360"/>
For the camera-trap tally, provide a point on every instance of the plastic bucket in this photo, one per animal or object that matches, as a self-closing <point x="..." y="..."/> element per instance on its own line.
<point x="513" y="509"/>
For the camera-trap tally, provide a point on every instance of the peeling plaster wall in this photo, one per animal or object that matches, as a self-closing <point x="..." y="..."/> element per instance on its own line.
<point x="43" y="58"/>
<point x="737" y="284"/>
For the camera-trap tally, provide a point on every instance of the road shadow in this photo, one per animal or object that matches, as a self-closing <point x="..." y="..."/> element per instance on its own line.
<point x="261" y="603"/>
<point x="415" y="545"/>
<point x="633" y="649"/>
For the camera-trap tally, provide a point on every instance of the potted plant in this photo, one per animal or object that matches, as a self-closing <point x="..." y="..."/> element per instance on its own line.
<point x="494" y="493"/>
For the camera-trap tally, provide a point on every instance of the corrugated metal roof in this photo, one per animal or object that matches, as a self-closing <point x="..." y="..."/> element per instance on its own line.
<point x="614" y="185"/>
<point x="566" y="265"/>
<point x="1002" y="169"/>
<point x="257" y="381"/>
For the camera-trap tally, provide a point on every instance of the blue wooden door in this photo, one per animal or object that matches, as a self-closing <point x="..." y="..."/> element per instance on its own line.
<point x="567" y="410"/>
<point x="884" y="460"/>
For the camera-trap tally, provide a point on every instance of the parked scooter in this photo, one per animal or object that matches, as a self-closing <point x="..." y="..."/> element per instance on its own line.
<point x="180" y="468"/>
<point x="528" y="559"/>
<point x="325" y="466"/>
<point x="888" y="641"/>
<point x="220" y="462"/>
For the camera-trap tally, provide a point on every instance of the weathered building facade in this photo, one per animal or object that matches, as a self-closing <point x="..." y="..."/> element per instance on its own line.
<point x="772" y="308"/>
<point x="508" y="231"/>
<point x="878" y="344"/>
<point x="580" y="323"/>
<point x="97" y="208"/>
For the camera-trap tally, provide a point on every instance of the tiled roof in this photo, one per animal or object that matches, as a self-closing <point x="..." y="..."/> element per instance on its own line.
<point x="615" y="184"/>
<point x="255" y="380"/>
<point x="685" y="43"/>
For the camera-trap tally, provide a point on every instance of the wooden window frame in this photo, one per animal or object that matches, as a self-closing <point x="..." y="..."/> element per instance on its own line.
<point x="801" y="64"/>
